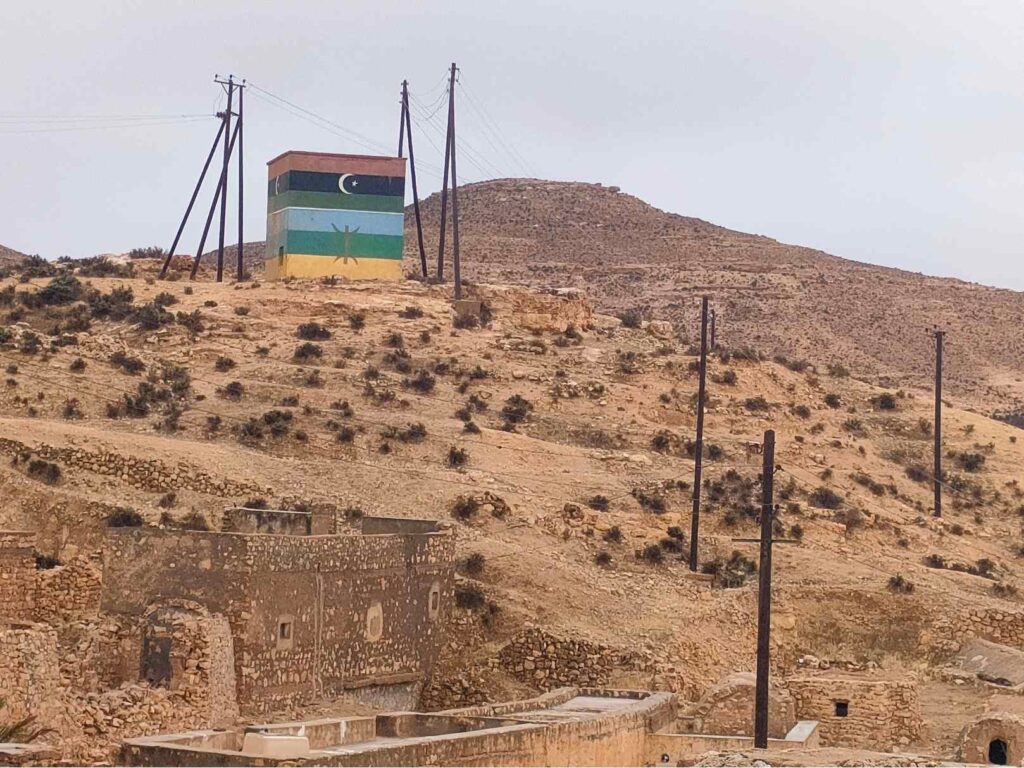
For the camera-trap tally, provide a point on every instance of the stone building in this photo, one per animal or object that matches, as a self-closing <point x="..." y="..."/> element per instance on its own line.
<point x="310" y="612"/>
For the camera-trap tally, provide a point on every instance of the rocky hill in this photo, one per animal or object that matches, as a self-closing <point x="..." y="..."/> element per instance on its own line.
<point x="776" y="297"/>
<point x="10" y="257"/>
<point x="556" y="441"/>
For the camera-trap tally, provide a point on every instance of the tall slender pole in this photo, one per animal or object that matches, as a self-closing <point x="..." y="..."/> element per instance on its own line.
<point x="224" y="184"/>
<point x="240" y="275"/>
<point x="456" y="261"/>
<point x="209" y="217"/>
<point x="401" y="118"/>
<point x="412" y="172"/>
<point x="192" y="200"/>
<point x="713" y="329"/>
<point x="937" y="471"/>
<point x="698" y="449"/>
<point x="764" y="593"/>
<point x="444" y="180"/>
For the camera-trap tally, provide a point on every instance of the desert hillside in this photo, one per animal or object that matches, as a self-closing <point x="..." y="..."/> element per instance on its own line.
<point x="555" y="440"/>
<point x="782" y="298"/>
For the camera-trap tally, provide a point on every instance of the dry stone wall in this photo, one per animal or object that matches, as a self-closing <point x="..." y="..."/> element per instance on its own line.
<point x="17" y="574"/>
<point x="68" y="592"/>
<point x="878" y="713"/>
<point x="146" y="474"/>
<point x="999" y="625"/>
<point x="546" y="661"/>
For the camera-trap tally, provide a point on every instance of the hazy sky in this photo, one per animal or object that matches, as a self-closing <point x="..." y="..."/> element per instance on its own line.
<point x="889" y="131"/>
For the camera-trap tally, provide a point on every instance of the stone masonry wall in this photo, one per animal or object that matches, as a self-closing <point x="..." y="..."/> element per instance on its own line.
<point x="999" y="625"/>
<point x="882" y="713"/>
<point x="17" y="574"/>
<point x="145" y="474"/>
<point x="30" y="682"/>
<point x="68" y="592"/>
<point x="543" y="660"/>
<point x="309" y="616"/>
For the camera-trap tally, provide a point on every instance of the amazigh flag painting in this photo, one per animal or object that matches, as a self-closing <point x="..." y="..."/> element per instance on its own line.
<point x="335" y="215"/>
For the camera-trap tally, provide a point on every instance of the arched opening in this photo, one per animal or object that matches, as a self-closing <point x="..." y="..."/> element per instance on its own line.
<point x="997" y="750"/>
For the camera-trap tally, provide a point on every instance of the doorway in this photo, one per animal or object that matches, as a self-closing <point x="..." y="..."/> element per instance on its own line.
<point x="997" y="752"/>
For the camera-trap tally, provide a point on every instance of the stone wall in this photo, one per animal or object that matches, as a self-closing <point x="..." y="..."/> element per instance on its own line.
<point x="545" y="661"/>
<point x="310" y="617"/>
<point x="1000" y="625"/>
<point x="30" y="682"/>
<point x="977" y="736"/>
<point x="17" y="574"/>
<point x="727" y="709"/>
<point x="68" y="592"/>
<point x="146" y="474"/>
<point x="882" y="714"/>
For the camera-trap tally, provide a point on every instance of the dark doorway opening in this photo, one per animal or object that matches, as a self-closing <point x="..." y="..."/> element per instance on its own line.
<point x="997" y="750"/>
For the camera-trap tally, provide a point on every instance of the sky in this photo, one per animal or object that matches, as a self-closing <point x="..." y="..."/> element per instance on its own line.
<point x="886" y="132"/>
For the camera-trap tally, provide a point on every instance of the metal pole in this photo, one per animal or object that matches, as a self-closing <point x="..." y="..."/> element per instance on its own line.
<point x="192" y="201"/>
<point x="401" y="119"/>
<point x="415" y="192"/>
<point x="698" y="449"/>
<point x="224" y="183"/>
<point x="712" y="329"/>
<point x="241" y="207"/>
<point x="444" y="181"/>
<point x="937" y="471"/>
<point x="455" y="206"/>
<point x="213" y="208"/>
<point x="764" y="593"/>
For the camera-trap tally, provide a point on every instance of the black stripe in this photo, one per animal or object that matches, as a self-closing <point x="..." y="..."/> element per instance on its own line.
<point x="356" y="184"/>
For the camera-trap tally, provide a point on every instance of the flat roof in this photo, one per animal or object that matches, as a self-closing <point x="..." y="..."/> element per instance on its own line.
<point x="339" y="155"/>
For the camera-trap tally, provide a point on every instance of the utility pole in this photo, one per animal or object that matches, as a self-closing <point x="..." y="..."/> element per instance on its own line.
<point x="698" y="450"/>
<point x="401" y="118"/>
<point x="241" y="198"/>
<point x="937" y="470"/>
<point x="444" y="181"/>
<point x="412" y="173"/>
<point x="192" y="200"/>
<point x="712" y="329"/>
<point x="455" y="198"/>
<point x="230" y="83"/>
<point x="764" y="592"/>
<point x="213" y="208"/>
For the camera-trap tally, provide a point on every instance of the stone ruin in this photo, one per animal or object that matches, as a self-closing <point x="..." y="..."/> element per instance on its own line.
<point x="182" y="629"/>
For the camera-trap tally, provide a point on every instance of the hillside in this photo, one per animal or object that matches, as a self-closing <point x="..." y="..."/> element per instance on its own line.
<point x="776" y="297"/>
<point x="579" y="446"/>
<point x="10" y="257"/>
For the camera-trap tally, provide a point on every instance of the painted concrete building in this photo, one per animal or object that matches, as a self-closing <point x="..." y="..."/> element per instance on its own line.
<point x="335" y="215"/>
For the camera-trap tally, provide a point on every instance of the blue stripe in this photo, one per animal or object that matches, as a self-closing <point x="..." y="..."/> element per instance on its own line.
<point x="318" y="220"/>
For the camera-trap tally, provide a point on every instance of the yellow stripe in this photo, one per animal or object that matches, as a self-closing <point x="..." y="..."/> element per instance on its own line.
<point x="302" y="265"/>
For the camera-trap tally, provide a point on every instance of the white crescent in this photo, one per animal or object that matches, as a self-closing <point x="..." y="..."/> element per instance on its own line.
<point x="341" y="183"/>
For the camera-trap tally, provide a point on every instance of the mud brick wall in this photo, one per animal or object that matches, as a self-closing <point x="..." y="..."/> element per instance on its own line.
<point x="68" y="592"/>
<point x="546" y="661"/>
<point x="145" y="474"/>
<point x="17" y="575"/>
<point x="358" y="609"/>
<point x="882" y="713"/>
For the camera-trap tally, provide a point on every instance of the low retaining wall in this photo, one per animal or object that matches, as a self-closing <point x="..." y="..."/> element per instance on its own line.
<point x="675" y="748"/>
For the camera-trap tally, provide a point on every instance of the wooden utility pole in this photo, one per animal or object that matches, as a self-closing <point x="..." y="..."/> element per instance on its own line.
<point x="224" y="180"/>
<point x="937" y="469"/>
<point x="412" y="173"/>
<point x="698" y="449"/>
<point x="192" y="200"/>
<point x="456" y="261"/>
<point x="712" y="329"/>
<point x="401" y="119"/>
<point x="240" y="271"/>
<point x="444" y="181"/>
<point x="213" y="208"/>
<point x="764" y="592"/>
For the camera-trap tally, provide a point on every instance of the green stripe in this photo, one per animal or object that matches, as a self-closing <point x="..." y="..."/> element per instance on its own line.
<point x="334" y="244"/>
<point x="292" y="199"/>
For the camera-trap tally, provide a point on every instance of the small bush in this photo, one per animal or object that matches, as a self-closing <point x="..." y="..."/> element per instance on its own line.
<point x="223" y="364"/>
<point x="457" y="457"/>
<point x="885" y="402"/>
<point x="652" y="553"/>
<point x="900" y="585"/>
<point x="969" y="461"/>
<point x="603" y="559"/>
<point x="423" y="382"/>
<point x="411" y="313"/>
<point x="44" y="471"/>
<point x="474" y="564"/>
<point x="45" y="562"/>
<point x="756" y="404"/>
<point x="801" y="411"/>
<point x="600" y="503"/>
<point x="124" y="517"/>
<point x="194" y="521"/>
<point x="127" y="363"/>
<point x="613" y="535"/>
<point x="517" y="409"/>
<point x="465" y="507"/>
<point x="308" y="351"/>
<point x="77" y="365"/>
<point x="357" y="321"/>
<point x="167" y="501"/>
<point x="233" y="390"/>
<point x="825" y="498"/>
<point x="313" y="332"/>
<point x="71" y="409"/>
<point x="631" y="318"/>
<point x="833" y="400"/>
<point x="469" y="597"/>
